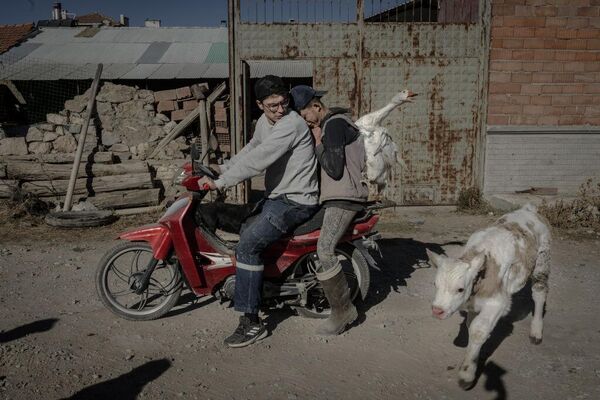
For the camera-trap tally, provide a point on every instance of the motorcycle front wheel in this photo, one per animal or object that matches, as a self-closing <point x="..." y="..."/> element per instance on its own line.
<point x="119" y="271"/>
<point x="356" y="270"/>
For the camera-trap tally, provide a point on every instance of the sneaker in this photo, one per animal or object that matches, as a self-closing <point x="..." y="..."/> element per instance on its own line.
<point x="246" y="333"/>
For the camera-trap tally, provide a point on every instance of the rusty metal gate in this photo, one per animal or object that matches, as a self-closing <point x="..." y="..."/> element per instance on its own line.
<point x="438" y="51"/>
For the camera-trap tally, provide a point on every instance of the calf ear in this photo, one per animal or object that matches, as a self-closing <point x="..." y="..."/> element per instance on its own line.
<point x="434" y="259"/>
<point x="477" y="263"/>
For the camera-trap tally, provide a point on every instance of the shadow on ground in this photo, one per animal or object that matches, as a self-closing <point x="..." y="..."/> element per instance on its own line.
<point x="42" y="325"/>
<point x="127" y="386"/>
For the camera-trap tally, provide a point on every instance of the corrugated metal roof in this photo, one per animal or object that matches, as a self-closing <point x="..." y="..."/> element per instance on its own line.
<point x="132" y="53"/>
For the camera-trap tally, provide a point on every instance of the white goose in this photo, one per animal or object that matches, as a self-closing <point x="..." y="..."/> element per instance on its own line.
<point x="381" y="151"/>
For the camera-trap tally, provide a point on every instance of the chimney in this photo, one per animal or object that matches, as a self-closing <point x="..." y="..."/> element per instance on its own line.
<point x="123" y="20"/>
<point x="152" y="23"/>
<point x="56" y="11"/>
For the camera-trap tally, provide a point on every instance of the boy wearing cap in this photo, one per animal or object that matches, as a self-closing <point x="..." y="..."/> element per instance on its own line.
<point x="282" y="146"/>
<point x="341" y="154"/>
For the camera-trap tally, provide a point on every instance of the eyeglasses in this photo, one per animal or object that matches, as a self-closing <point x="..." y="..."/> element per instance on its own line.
<point x="274" y="107"/>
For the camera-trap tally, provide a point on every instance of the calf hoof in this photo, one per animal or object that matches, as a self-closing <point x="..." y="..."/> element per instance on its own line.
<point x="466" y="385"/>
<point x="535" y="340"/>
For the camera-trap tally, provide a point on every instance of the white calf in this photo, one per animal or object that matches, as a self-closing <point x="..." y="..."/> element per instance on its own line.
<point x="496" y="262"/>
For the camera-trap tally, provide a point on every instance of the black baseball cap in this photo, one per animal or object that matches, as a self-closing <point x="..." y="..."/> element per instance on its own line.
<point x="269" y="85"/>
<point x="303" y="94"/>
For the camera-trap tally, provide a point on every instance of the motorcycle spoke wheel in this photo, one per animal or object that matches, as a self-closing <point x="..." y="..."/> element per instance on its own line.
<point x="357" y="274"/>
<point x="121" y="269"/>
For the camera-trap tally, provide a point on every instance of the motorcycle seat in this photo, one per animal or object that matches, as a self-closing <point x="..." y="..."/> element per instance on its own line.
<point x="316" y="222"/>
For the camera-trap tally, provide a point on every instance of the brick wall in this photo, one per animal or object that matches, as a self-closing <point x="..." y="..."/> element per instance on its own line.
<point x="545" y="63"/>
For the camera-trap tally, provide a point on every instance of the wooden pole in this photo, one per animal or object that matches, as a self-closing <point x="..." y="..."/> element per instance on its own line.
<point x="203" y="130"/>
<point x="82" y="135"/>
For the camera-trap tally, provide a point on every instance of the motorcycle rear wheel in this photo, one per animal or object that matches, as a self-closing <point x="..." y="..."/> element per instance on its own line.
<point x="357" y="273"/>
<point x="118" y="270"/>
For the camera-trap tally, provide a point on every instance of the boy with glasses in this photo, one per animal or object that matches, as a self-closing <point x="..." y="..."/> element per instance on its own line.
<point x="282" y="146"/>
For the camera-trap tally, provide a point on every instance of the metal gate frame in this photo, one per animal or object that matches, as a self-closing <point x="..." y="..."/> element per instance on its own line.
<point x="349" y="61"/>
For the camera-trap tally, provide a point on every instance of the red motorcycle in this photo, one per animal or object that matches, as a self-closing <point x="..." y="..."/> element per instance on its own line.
<point x="142" y="278"/>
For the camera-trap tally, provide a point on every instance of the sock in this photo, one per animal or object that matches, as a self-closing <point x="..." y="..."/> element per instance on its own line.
<point x="252" y="317"/>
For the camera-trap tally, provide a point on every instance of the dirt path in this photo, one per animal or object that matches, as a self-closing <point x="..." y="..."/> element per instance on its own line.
<point x="58" y="341"/>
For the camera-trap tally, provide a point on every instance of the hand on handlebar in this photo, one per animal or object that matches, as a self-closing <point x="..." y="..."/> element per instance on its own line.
<point x="205" y="183"/>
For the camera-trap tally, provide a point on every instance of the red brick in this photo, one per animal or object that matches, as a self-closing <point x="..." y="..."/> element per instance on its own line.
<point x="545" y="11"/>
<point x="585" y="56"/>
<point x="524" y="11"/>
<point x="541" y="78"/>
<point x="532" y="66"/>
<point x="512" y="43"/>
<point x="551" y="89"/>
<point x="577" y="44"/>
<point x="500" y="10"/>
<point x="165" y="95"/>
<point x="565" y="56"/>
<point x="502" y="32"/>
<point x="505" y="88"/>
<point x="561" y="100"/>
<point x="190" y="104"/>
<point x="576" y="66"/>
<point x="519" y="99"/>
<point x="543" y="54"/>
<point x="533" y="110"/>
<point x="556" y="22"/>
<point x="563" y="33"/>
<point x="579" y="100"/>
<point x="593" y="44"/>
<point x="574" y="88"/>
<point x="584" y="77"/>
<point x="534" y="43"/>
<point x="498" y="99"/>
<point x="524" y="119"/>
<point x="509" y="66"/>
<point x="593" y="88"/>
<point x="588" y="33"/>
<point x="500" y="77"/>
<point x="591" y="67"/>
<point x="588" y="11"/>
<point x="497" y="120"/>
<point x="541" y="100"/>
<point x="500" y="54"/>
<point x="553" y="67"/>
<point x="525" y="21"/>
<point x="531" y="89"/>
<point x="548" y="120"/>
<point x="520" y="77"/>
<point x="570" y="120"/>
<point x="577" y="22"/>
<point x="544" y="32"/>
<point x="563" y="78"/>
<point x="183" y="93"/>
<point x="515" y="2"/>
<point x="521" y="32"/>
<point x="178" y="115"/>
<point x="521" y="55"/>
<point x="590" y="120"/>
<point x="497" y="21"/>
<point x="594" y="2"/>
<point x="166" y="105"/>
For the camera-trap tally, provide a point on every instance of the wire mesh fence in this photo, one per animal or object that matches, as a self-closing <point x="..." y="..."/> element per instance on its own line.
<point x="346" y="11"/>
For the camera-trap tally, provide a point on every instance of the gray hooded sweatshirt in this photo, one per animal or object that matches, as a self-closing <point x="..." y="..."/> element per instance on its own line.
<point x="285" y="151"/>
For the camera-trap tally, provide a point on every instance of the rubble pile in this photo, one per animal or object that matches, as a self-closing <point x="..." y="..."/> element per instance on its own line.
<point x="125" y="128"/>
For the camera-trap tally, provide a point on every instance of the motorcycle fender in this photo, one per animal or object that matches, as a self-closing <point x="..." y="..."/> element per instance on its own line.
<point x="156" y="235"/>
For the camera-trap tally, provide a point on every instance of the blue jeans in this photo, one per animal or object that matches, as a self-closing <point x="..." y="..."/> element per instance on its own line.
<point x="277" y="217"/>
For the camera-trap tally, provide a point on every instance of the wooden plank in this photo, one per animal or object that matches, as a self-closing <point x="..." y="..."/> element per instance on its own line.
<point x="7" y="188"/>
<point x="126" y="199"/>
<point x="175" y="132"/>
<point x="32" y="171"/>
<point x="105" y="157"/>
<point x="2" y="170"/>
<point x="98" y="184"/>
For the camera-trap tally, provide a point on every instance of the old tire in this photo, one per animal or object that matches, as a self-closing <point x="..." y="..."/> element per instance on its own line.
<point x="80" y="219"/>
<point x="116" y="272"/>
<point x="359" y="280"/>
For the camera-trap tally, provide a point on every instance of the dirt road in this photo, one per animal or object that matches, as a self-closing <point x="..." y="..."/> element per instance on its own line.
<point x="58" y="341"/>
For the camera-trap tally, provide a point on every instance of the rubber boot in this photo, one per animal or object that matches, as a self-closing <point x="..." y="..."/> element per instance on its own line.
<point x="337" y="292"/>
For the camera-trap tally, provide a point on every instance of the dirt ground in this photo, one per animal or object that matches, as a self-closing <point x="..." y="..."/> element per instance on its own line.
<point x="58" y="341"/>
